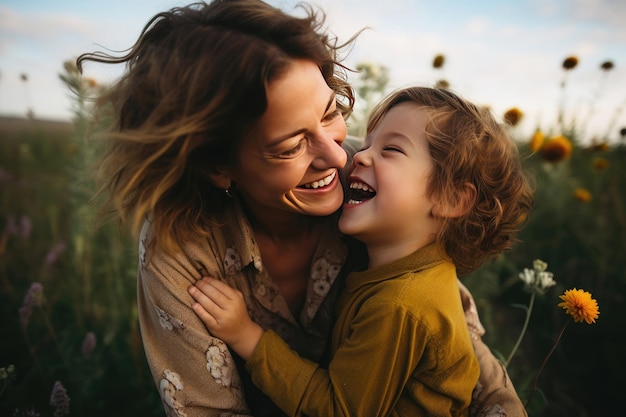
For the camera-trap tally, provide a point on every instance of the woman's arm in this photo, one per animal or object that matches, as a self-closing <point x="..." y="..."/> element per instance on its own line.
<point x="194" y="372"/>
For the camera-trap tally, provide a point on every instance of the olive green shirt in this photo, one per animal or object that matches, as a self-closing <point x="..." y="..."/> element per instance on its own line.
<point x="400" y="347"/>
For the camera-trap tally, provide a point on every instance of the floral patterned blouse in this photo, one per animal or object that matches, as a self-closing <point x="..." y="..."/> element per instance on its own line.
<point x="195" y="373"/>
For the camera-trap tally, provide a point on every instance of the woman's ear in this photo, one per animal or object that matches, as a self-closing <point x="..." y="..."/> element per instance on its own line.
<point x="461" y="202"/>
<point x="220" y="178"/>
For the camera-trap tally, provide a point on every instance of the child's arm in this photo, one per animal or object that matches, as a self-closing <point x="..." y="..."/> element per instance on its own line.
<point x="224" y="313"/>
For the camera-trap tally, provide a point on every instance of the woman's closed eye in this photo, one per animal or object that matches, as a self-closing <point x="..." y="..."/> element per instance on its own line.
<point x="293" y="151"/>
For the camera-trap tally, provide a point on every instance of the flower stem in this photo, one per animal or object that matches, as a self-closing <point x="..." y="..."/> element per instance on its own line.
<point x="534" y="388"/>
<point x="524" y="328"/>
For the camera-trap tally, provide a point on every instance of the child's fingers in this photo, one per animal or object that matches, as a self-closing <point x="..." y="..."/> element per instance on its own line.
<point x="210" y="321"/>
<point x="205" y="302"/>
<point x="213" y="290"/>
<point x="228" y="291"/>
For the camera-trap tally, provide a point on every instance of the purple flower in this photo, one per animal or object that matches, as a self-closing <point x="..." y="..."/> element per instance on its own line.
<point x="31" y="412"/>
<point x="23" y="229"/>
<point x="33" y="298"/>
<point x="54" y="253"/>
<point x="89" y="344"/>
<point x="59" y="400"/>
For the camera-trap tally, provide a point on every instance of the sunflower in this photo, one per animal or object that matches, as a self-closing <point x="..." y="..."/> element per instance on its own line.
<point x="439" y="61"/>
<point x="556" y="149"/>
<point x="607" y="66"/>
<point x="513" y="116"/>
<point x="570" y="62"/>
<point x="580" y="305"/>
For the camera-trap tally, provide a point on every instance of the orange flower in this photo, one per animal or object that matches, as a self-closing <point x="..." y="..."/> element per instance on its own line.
<point x="513" y="116"/>
<point x="582" y="194"/>
<point x="580" y="305"/>
<point x="556" y="149"/>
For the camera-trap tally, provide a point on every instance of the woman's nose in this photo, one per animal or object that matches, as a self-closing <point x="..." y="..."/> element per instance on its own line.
<point x="330" y="152"/>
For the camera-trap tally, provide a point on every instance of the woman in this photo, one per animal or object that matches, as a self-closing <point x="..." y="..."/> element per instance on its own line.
<point x="226" y="153"/>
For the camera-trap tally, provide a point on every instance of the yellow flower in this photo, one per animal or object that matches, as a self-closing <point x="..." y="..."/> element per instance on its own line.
<point x="439" y="61"/>
<point x="513" y="116"/>
<point x="570" y="62"/>
<point x="536" y="141"/>
<point x="582" y="194"/>
<point x="580" y="305"/>
<point x="556" y="149"/>
<point x="600" y="164"/>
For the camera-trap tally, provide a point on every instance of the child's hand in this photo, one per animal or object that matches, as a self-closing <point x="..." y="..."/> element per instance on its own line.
<point x="223" y="311"/>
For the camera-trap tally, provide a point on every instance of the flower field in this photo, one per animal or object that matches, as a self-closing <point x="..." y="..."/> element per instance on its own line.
<point x="70" y="342"/>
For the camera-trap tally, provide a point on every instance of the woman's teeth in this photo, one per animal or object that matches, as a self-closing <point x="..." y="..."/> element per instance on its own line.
<point x="321" y="183"/>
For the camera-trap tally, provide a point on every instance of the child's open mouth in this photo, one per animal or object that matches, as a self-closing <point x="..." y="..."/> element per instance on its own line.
<point x="360" y="192"/>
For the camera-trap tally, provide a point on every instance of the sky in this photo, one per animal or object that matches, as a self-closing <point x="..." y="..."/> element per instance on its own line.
<point x="500" y="54"/>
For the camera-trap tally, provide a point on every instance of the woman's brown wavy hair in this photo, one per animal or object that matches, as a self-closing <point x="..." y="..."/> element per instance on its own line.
<point x="195" y="81"/>
<point x="468" y="146"/>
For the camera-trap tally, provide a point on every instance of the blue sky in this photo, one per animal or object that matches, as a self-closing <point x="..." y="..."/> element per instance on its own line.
<point x="498" y="53"/>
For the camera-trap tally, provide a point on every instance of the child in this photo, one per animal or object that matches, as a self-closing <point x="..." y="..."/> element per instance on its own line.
<point x="437" y="189"/>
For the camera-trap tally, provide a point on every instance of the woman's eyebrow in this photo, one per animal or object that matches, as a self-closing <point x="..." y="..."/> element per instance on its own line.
<point x="281" y="138"/>
<point x="331" y="100"/>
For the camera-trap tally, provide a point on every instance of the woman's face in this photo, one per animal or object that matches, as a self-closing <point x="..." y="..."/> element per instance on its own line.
<point x="291" y="158"/>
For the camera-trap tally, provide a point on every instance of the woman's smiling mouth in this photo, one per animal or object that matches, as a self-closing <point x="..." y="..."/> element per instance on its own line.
<point x="320" y="183"/>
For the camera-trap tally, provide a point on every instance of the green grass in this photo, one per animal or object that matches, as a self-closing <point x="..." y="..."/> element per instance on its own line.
<point x="88" y="276"/>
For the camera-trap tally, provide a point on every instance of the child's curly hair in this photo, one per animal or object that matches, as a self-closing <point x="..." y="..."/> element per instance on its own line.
<point x="470" y="149"/>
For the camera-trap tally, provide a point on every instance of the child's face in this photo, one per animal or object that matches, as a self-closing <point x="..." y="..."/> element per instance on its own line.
<point x="394" y="210"/>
